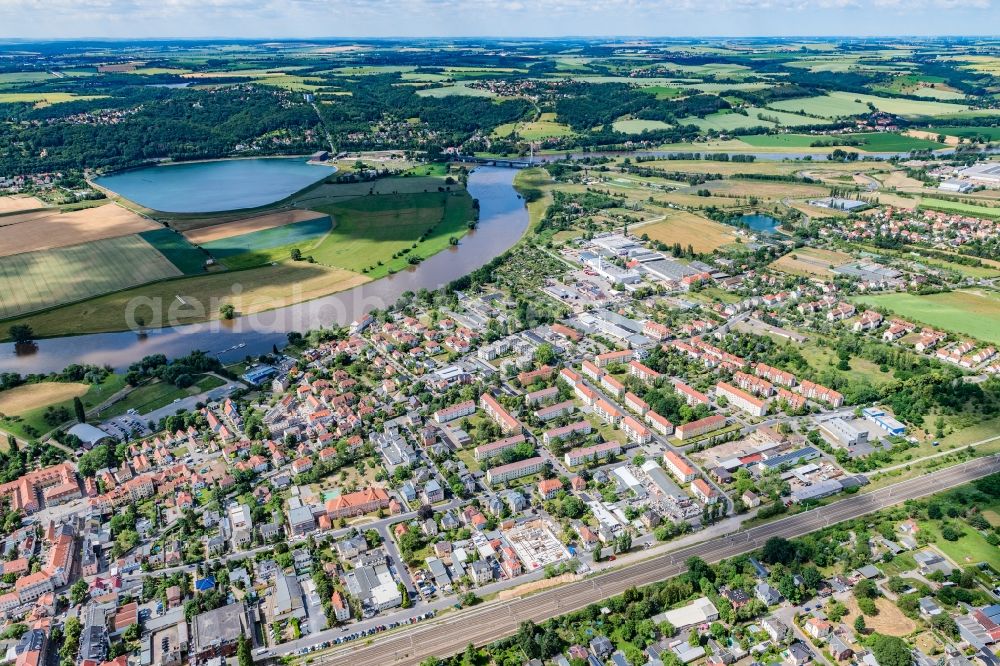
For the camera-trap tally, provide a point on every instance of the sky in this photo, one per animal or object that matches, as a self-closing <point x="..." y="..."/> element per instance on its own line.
<point x="131" y="19"/>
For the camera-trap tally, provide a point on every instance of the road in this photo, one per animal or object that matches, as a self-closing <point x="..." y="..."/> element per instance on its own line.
<point x="451" y="633"/>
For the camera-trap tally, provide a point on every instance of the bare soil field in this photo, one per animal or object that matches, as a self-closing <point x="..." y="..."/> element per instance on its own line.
<point x="810" y="262"/>
<point x="931" y="136"/>
<point x="689" y="229"/>
<point x="21" y="399"/>
<point x="48" y="231"/>
<point x="890" y="620"/>
<point x="18" y="203"/>
<point x="536" y="586"/>
<point x="248" y="225"/>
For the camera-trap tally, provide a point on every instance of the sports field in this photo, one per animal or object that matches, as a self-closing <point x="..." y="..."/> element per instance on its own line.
<point x="188" y="259"/>
<point x="35" y="280"/>
<point x="31" y="232"/>
<point x="973" y="312"/>
<point x="685" y="228"/>
<point x="370" y="230"/>
<point x="21" y="399"/>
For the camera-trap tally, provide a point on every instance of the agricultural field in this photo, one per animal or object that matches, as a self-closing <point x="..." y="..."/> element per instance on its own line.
<point x="973" y="312"/>
<point x="971" y="132"/>
<point x="36" y="280"/>
<point x="872" y="142"/>
<point x="457" y="89"/>
<point x="18" y="204"/>
<point x="21" y="399"/>
<point x="35" y="231"/>
<point x="810" y="262"/>
<point x="188" y="259"/>
<point x="689" y="229"/>
<point x="837" y="103"/>
<point x="248" y="225"/>
<point x="43" y="99"/>
<point x="256" y="247"/>
<point x="546" y="126"/>
<point x="959" y="207"/>
<point x="636" y="126"/>
<point x="259" y="290"/>
<point x="370" y="230"/>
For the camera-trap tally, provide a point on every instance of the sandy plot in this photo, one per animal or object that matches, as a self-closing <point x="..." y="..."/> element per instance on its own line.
<point x="21" y="399"/>
<point x="890" y="620"/>
<point x="689" y="229"/>
<point x="17" y="203"/>
<point x="248" y="225"/>
<point x="45" y="232"/>
<point x="536" y="586"/>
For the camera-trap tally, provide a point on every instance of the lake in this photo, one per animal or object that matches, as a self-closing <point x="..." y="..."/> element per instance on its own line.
<point x="210" y="187"/>
<point x="761" y="223"/>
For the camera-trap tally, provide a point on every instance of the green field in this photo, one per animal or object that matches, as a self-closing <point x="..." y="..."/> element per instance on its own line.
<point x="990" y="133"/>
<point x="533" y="131"/>
<point x="725" y="122"/>
<point x="664" y="92"/>
<point x="839" y="103"/>
<point x="370" y="230"/>
<point x="457" y="89"/>
<point x="873" y="142"/>
<point x="971" y="549"/>
<point x="258" y="247"/>
<point x="44" y="98"/>
<point x="95" y="395"/>
<point x="36" y="280"/>
<point x="188" y="259"/>
<point x="959" y="207"/>
<point x="972" y="312"/>
<point x="159" y="394"/>
<point x="639" y="126"/>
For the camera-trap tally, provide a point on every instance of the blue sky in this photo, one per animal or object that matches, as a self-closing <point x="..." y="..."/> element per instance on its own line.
<point x="43" y="19"/>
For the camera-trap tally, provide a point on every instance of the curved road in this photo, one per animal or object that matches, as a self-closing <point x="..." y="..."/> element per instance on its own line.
<point x="452" y="633"/>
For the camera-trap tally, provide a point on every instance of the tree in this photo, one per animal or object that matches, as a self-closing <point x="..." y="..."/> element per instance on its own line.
<point x="777" y="550"/>
<point x="405" y="594"/>
<point x="891" y="651"/>
<point x="227" y="311"/>
<point x="859" y="624"/>
<point x="78" y="592"/>
<point x="21" y="334"/>
<point x="81" y="413"/>
<point x="545" y="354"/>
<point x="296" y="254"/>
<point x="243" y="653"/>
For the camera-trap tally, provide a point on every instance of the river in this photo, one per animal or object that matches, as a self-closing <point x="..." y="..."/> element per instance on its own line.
<point x="503" y="219"/>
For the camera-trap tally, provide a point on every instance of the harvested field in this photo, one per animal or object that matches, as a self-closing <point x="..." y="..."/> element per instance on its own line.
<point x="263" y="289"/>
<point x="248" y="225"/>
<point x="809" y="262"/>
<point x="689" y="229"/>
<point x="36" y="280"/>
<point x="18" y="203"/>
<point x="45" y="231"/>
<point x="21" y="399"/>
